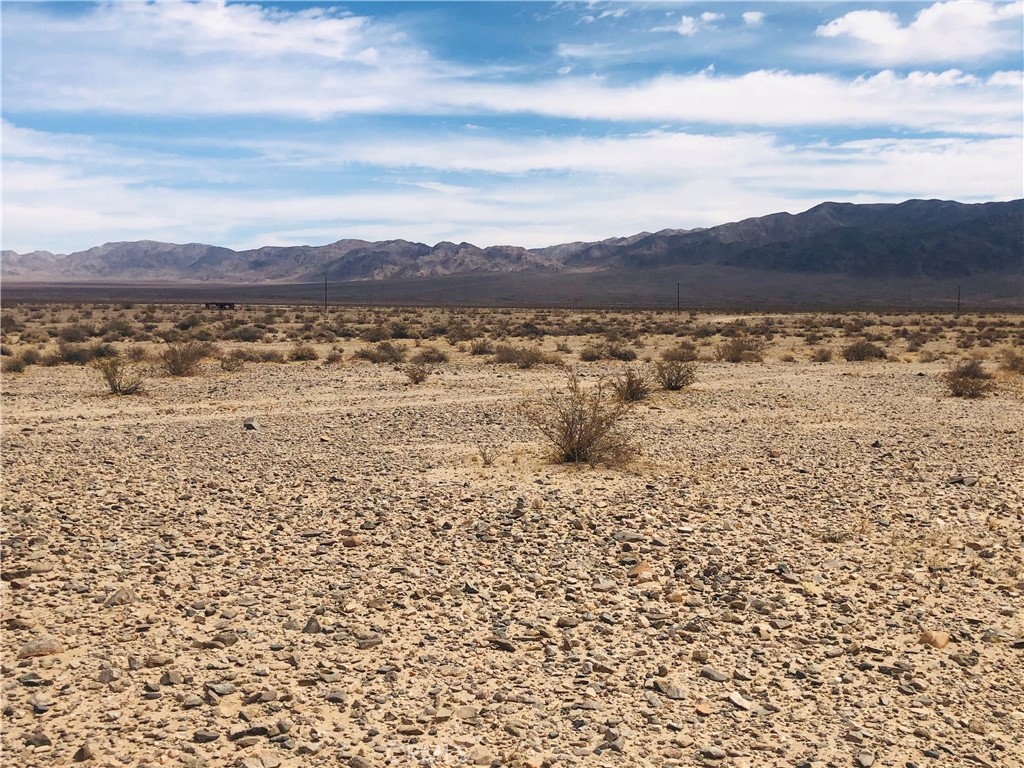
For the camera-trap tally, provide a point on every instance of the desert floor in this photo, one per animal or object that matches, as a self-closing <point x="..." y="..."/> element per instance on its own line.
<point x="350" y="584"/>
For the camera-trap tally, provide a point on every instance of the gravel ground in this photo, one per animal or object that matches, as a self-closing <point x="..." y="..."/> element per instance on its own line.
<point x="349" y="584"/>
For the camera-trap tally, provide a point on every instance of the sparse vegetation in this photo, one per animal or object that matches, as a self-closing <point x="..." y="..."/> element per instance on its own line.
<point x="488" y="453"/>
<point x="382" y="352"/>
<point x="583" y="426"/>
<point x="304" y="352"/>
<point x="862" y="350"/>
<point x="632" y="385"/>
<point x="740" y="349"/>
<point x="674" y="375"/>
<point x="684" y="352"/>
<point x="430" y="354"/>
<point x="417" y="373"/>
<point x="821" y="355"/>
<point x="1012" y="361"/>
<point x="968" y="379"/>
<point x="119" y="378"/>
<point x="183" y="358"/>
<point x="523" y="357"/>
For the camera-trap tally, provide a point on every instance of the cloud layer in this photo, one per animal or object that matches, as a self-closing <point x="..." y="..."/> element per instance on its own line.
<point x="247" y="125"/>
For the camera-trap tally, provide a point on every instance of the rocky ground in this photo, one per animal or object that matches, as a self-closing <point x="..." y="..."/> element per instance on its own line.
<point x="809" y="564"/>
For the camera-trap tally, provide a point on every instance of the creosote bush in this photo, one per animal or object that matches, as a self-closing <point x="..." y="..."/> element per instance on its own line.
<point x="968" y="379"/>
<point x="631" y="385"/>
<point x="740" y="349"/>
<point x="523" y="357"/>
<point x="822" y="355"/>
<point x="304" y="352"/>
<point x="383" y="352"/>
<point x="862" y="350"/>
<point x="481" y="346"/>
<point x="417" y="373"/>
<point x="1012" y="361"/>
<point x="674" y="375"/>
<point x="120" y="380"/>
<point x="14" y="364"/>
<point x="582" y="426"/>
<point x="684" y="351"/>
<point x="430" y="354"/>
<point x="183" y="358"/>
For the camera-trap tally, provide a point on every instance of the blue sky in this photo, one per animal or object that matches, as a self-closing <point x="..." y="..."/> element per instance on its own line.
<point x="246" y="124"/>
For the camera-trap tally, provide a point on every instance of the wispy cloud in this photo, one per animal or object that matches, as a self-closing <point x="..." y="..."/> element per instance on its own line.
<point x="689" y="26"/>
<point x="244" y="124"/>
<point x="946" y="31"/>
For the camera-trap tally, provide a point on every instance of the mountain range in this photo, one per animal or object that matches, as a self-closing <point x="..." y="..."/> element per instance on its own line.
<point x="915" y="243"/>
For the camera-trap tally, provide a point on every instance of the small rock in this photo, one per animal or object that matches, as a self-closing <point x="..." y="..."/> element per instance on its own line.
<point x="121" y="596"/>
<point x="737" y="699"/>
<point x="312" y="626"/>
<point x="85" y="752"/>
<point x="865" y="760"/>
<point x="713" y="674"/>
<point x="205" y="737"/>
<point x="38" y="739"/>
<point x="713" y="753"/>
<point x="501" y="643"/>
<point x="671" y="689"/>
<point x="40" y="646"/>
<point x="934" y="639"/>
<point x="251" y="424"/>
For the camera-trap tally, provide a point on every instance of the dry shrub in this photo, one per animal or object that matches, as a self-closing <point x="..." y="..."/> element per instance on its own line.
<point x="1011" y="361"/>
<point x="674" y="375"/>
<point x="430" y="354"/>
<point x="616" y="351"/>
<point x="590" y="353"/>
<point x="582" y="426"/>
<point x="488" y="453"/>
<point x="741" y="349"/>
<point x="631" y="386"/>
<point x="523" y="357"/>
<point x="120" y="380"/>
<point x="968" y="379"/>
<point x="15" y="364"/>
<point x="183" y="358"/>
<point x="683" y="352"/>
<point x="862" y="350"/>
<point x="481" y="346"/>
<point x="383" y="352"/>
<point x="417" y="373"/>
<point x="304" y="352"/>
<point x="822" y="355"/>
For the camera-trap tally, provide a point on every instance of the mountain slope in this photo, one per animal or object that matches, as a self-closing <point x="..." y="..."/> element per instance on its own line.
<point x="918" y="239"/>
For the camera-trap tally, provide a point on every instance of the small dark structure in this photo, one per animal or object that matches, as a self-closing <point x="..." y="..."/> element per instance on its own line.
<point x="219" y="305"/>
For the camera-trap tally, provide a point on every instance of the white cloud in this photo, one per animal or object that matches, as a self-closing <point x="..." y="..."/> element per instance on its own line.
<point x="946" y="31"/>
<point x="689" y="26"/>
<point x="530" y="192"/>
<point x="179" y="60"/>
<point x="753" y="18"/>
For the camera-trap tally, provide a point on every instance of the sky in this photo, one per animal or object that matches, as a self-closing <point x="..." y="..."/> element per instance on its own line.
<point x="249" y="124"/>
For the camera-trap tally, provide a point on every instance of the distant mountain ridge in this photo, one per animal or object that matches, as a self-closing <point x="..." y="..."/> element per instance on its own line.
<point x="916" y="239"/>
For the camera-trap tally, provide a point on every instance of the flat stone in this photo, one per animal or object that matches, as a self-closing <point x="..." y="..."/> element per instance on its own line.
<point x="670" y="689"/>
<point x="711" y="673"/>
<point x="40" y="646"/>
<point x="205" y="737"/>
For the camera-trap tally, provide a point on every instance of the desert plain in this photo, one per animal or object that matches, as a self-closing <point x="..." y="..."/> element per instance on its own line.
<point x="298" y="556"/>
